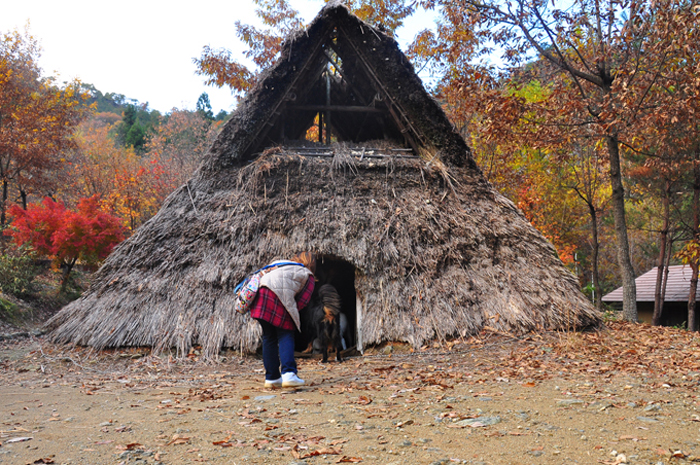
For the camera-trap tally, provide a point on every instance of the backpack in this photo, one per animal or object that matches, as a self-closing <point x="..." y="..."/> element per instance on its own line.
<point x="247" y="290"/>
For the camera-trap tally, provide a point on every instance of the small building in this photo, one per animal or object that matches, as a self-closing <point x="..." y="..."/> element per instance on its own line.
<point x="403" y="223"/>
<point x="675" y="310"/>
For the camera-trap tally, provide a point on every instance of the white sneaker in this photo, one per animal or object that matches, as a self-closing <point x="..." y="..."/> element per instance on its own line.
<point x="273" y="383"/>
<point x="291" y="380"/>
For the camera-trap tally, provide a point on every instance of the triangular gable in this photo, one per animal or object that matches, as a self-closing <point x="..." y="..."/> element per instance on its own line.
<point x="342" y="74"/>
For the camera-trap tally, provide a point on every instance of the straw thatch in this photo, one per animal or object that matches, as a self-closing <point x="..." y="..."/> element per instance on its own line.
<point x="424" y="246"/>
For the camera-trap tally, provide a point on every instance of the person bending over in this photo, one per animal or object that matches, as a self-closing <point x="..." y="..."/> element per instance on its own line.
<point x="283" y="292"/>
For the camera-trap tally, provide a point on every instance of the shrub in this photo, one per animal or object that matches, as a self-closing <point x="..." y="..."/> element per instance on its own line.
<point x="17" y="273"/>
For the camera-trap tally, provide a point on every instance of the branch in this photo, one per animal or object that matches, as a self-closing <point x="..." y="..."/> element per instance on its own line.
<point x="559" y="60"/>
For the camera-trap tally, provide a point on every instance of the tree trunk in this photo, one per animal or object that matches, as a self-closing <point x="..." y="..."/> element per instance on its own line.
<point x="692" y="296"/>
<point x="663" y="241"/>
<point x="23" y="195"/>
<point x="3" y="203"/>
<point x="596" y="251"/>
<point x="629" y="288"/>
<point x="692" y="311"/>
<point x="65" y="274"/>
<point x="667" y="263"/>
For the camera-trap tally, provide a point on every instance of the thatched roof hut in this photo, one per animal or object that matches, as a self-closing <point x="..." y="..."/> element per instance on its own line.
<point x="418" y="243"/>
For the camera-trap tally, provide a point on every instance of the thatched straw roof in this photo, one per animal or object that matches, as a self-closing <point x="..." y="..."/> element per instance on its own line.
<point x="419" y="244"/>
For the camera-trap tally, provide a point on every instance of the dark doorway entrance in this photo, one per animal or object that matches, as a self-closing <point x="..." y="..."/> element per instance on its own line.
<point x="341" y="275"/>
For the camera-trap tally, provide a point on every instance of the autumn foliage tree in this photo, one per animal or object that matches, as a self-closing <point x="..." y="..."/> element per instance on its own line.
<point x="133" y="185"/>
<point x="179" y="144"/>
<point x="87" y="234"/>
<point x="36" y="120"/>
<point x="606" y="62"/>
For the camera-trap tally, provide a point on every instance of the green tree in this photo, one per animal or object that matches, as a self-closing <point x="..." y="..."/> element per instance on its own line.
<point x="204" y="107"/>
<point x="136" y="125"/>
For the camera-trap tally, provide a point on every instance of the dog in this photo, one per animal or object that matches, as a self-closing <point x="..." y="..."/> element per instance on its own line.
<point x="325" y="315"/>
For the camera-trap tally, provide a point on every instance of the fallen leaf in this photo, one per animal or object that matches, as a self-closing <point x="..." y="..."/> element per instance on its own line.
<point x="129" y="446"/>
<point x="323" y="451"/>
<point x="631" y="438"/>
<point x="346" y="459"/>
<point x="178" y="440"/>
<point x="222" y="443"/>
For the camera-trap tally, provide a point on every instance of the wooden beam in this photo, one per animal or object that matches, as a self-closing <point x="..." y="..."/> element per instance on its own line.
<point x="348" y="108"/>
<point x="401" y="119"/>
<point x="357" y="92"/>
<point x="261" y="131"/>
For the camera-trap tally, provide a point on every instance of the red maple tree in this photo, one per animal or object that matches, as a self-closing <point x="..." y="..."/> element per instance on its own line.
<point x="87" y="234"/>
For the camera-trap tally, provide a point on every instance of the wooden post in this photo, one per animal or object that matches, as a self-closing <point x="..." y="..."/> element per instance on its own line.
<point x="282" y="125"/>
<point x="328" y="103"/>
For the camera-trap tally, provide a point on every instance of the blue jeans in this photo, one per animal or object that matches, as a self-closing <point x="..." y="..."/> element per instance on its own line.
<point x="278" y="347"/>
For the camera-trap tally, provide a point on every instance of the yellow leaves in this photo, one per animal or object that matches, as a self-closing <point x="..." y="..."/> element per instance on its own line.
<point x="690" y="254"/>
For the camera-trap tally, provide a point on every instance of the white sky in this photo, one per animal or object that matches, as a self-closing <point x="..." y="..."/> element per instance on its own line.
<point x="144" y="49"/>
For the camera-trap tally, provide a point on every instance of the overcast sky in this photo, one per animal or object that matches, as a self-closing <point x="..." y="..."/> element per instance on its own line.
<point x="143" y="49"/>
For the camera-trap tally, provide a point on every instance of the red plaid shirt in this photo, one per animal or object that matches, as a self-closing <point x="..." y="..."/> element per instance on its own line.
<point x="267" y="306"/>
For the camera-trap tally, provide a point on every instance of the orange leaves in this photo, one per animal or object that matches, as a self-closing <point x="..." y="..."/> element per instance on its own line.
<point x="220" y="70"/>
<point x="134" y="186"/>
<point x="390" y="14"/>
<point x="38" y="121"/>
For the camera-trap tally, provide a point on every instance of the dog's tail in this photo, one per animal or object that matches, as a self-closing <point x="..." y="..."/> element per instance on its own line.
<point x="331" y="302"/>
<point x="330" y="298"/>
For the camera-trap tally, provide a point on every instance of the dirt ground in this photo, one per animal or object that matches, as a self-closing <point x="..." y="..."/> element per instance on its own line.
<point x="626" y="394"/>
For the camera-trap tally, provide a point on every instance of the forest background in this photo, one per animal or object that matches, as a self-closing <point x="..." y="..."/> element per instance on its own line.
<point x="583" y="113"/>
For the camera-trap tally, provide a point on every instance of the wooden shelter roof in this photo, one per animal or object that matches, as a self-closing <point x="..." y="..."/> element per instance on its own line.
<point x="677" y="287"/>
